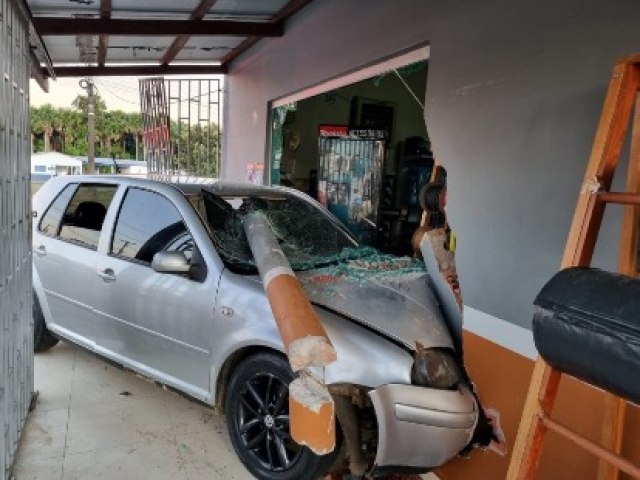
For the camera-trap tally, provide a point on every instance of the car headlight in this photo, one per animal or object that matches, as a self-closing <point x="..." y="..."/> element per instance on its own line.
<point x="435" y="368"/>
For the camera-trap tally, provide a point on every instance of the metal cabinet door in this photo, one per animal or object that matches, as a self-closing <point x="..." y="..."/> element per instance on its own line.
<point x="157" y="323"/>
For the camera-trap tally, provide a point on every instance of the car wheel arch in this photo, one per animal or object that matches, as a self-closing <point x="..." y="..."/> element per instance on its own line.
<point x="38" y="290"/>
<point x="230" y="363"/>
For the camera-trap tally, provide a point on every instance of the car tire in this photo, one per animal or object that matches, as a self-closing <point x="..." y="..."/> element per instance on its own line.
<point x="42" y="338"/>
<point x="257" y="414"/>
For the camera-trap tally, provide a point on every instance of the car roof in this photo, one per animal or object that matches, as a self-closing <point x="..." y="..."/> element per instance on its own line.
<point x="186" y="185"/>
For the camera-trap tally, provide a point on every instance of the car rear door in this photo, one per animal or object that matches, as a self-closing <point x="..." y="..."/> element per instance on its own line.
<point x="65" y="257"/>
<point x="158" y="323"/>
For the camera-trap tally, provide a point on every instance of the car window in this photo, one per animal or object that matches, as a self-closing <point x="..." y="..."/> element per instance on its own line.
<point x="307" y="235"/>
<point x="50" y="223"/>
<point x="149" y="223"/>
<point x="83" y="218"/>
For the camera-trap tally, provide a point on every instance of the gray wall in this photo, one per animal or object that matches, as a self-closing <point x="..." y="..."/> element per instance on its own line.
<point x="514" y="93"/>
<point x="16" y="329"/>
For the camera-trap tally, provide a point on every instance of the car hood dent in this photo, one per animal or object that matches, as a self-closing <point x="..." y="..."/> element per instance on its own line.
<point x="388" y="294"/>
<point x="400" y="306"/>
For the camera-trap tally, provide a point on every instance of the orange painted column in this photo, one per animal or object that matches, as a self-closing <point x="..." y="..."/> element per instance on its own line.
<point x="311" y="407"/>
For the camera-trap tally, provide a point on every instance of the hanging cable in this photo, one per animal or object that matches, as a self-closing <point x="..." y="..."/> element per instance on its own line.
<point x="409" y="89"/>
<point x="117" y="96"/>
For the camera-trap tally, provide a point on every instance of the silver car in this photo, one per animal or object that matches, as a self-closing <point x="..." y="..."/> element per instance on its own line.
<point x="158" y="277"/>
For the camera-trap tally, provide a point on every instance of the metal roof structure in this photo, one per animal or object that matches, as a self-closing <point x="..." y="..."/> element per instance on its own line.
<point x="76" y="38"/>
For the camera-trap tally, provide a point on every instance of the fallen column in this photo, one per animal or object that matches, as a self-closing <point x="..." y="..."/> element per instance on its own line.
<point x="311" y="407"/>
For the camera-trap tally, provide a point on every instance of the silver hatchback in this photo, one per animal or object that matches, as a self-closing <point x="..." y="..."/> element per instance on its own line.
<point x="158" y="277"/>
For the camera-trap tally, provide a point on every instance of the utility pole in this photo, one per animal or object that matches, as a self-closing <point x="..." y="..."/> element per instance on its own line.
<point x="88" y="85"/>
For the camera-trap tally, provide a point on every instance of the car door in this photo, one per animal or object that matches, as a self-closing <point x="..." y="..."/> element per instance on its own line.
<point x="157" y="323"/>
<point x="65" y="257"/>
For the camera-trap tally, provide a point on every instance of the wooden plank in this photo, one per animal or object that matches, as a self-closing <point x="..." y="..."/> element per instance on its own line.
<point x="602" y="163"/>
<point x="38" y="74"/>
<point x="612" y="434"/>
<point x="290" y="9"/>
<point x="635" y="58"/>
<point x="103" y="45"/>
<point x="54" y="26"/>
<point x="103" y="41"/>
<point x="105" y="8"/>
<point x="202" y="9"/>
<point x="609" y="138"/>
<point x="592" y="447"/>
<point x="620" y="198"/>
<point x="627" y="262"/>
<point x="131" y="70"/>
<point x="179" y="42"/>
<point x="527" y="448"/>
<point x="240" y="49"/>
<point x="615" y="407"/>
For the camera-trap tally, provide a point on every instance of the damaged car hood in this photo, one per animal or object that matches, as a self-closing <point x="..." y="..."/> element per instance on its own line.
<point x="389" y="295"/>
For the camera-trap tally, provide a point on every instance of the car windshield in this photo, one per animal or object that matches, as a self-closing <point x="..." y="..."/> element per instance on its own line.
<point x="309" y="237"/>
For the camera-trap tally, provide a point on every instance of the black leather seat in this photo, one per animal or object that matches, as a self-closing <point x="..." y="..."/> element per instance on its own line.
<point x="89" y="215"/>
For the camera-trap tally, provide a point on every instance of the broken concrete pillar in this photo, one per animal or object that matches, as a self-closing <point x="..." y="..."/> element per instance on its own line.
<point x="312" y="410"/>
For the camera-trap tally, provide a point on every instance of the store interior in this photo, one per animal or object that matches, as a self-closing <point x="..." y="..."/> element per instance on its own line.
<point x="363" y="151"/>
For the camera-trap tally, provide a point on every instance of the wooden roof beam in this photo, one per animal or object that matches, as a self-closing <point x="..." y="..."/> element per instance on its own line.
<point x="179" y="42"/>
<point x="141" y="70"/>
<point x="37" y="73"/>
<point x="103" y="41"/>
<point x="53" y="26"/>
<point x="289" y="10"/>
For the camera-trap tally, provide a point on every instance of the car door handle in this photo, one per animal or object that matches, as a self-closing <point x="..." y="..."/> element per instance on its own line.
<point x="41" y="251"/>
<point x="107" y="275"/>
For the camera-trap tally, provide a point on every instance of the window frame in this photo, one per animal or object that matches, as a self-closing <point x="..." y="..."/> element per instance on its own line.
<point x="55" y="198"/>
<point x="70" y="241"/>
<point x="117" y="218"/>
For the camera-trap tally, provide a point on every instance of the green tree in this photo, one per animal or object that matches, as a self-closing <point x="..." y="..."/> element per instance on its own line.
<point x="116" y="131"/>
<point x="196" y="150"/>
<point x="196" y="147"/>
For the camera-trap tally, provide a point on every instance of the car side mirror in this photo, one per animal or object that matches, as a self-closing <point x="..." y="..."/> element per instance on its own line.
<point x="170" y="262"/>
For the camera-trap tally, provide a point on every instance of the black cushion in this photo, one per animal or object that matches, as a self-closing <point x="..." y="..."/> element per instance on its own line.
<point x="587" y="324"/>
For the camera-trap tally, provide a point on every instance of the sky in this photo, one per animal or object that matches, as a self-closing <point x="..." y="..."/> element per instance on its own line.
<point x="119" y="93"/>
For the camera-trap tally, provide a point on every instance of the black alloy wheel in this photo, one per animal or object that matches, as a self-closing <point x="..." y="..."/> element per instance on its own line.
<point x="257" y="411"/>
<point x="263" y="422"/>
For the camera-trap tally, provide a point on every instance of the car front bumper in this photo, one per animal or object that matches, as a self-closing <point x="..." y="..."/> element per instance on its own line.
<point x="421" y="428"/>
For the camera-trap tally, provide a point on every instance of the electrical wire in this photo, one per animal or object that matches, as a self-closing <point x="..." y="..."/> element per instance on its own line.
<point x="119" y="85"/>
<point x="118" y="96"/>
<point x="415" y="97"/>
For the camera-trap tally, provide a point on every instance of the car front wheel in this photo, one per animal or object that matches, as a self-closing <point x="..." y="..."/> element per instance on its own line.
<point x="257" y="412"/>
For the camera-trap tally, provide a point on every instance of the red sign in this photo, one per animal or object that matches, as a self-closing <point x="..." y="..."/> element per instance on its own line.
<point x="334" y="130"/>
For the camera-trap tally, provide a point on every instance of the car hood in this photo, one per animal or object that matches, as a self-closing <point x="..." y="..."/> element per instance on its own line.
<point x="388" y="294"/>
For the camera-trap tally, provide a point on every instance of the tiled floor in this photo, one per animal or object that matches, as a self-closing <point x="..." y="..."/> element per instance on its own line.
<point x="94" y="421"/>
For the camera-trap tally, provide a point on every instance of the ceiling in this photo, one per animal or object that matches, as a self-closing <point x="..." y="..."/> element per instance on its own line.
<point x="149" y="37"/>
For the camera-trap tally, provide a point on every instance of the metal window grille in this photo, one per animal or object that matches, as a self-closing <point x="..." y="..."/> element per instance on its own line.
<point x="181" y="125"/>
<point x="16" y="325"/>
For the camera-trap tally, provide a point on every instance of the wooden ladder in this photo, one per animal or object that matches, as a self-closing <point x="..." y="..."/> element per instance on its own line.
<point x="622" y="95"/>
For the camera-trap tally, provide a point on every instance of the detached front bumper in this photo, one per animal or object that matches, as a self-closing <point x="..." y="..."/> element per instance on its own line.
<point x="421" y="428"/>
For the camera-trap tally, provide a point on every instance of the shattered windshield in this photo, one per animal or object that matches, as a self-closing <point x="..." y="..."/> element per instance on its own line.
<point x="308" y="236"/>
